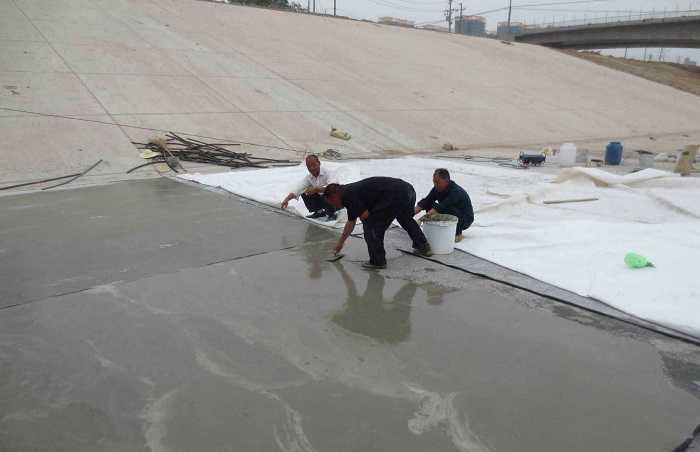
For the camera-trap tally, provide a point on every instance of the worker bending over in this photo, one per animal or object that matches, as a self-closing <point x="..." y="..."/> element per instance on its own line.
<point x="377" y="201"/>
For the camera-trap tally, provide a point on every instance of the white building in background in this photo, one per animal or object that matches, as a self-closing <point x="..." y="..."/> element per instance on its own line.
<point x="436" y="28"/>
<point x="396" y="22"/>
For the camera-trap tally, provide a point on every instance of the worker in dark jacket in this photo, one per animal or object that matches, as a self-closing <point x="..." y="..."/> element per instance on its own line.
<point x="449" y="198"/>
<point x="377" y="201"/>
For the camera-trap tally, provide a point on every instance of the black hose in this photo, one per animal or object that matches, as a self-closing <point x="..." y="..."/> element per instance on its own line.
<point x="75" y="177"/>
<point x="689" y="340"/>
<point x="40" y="181"/>
<point x="145" y="164"/>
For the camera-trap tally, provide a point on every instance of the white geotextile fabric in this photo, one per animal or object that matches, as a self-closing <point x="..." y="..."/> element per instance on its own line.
<point x="576" y="246"/>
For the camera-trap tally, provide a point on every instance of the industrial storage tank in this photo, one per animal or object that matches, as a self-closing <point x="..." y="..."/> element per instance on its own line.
<point x="471" y="26"/>
<point x="508" y="32"/>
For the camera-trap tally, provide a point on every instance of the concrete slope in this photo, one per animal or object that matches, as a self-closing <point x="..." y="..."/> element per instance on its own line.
<point x="281" y="80"/>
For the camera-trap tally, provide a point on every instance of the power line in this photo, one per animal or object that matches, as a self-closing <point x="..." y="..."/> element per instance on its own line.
<point x="145" y="128"/>
<point x="430" y="23"/>
<point x="592" y="10"/>
<point x="563" y="3"/>
<point x="404" y="8"/>
<point x="540" y="4"/>
<point x="421" y="3"/>
<point x="572" y="10"/>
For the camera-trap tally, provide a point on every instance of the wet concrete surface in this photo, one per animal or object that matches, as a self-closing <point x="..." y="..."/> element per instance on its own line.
<point x="473" y="265"/>
<point x="61" y="241"/>
<point x="255" y="342"/>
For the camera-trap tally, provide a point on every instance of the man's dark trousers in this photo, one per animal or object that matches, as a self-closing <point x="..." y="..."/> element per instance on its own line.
<point x="379" y="221"/>
<point x="462" y="221"/>
<point x="317" y="202"/>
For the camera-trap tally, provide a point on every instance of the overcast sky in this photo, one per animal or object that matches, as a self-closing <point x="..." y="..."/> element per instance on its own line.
<point x="527" y="11"/>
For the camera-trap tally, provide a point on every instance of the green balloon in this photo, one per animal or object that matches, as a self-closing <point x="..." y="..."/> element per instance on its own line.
<point x="637" y="261"/>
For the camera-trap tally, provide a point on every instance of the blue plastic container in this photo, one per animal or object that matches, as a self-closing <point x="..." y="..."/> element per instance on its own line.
<point x="613" y="153"/>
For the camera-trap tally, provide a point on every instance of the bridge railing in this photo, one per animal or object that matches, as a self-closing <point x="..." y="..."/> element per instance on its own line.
<point x="599" y="18"/>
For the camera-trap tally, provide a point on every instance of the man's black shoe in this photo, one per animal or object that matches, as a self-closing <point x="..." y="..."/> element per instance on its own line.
<point x="424" y="250"/>
<point x="370" y="266"/>
<point x="332" y="217"/>
<point x="318" y="214"/>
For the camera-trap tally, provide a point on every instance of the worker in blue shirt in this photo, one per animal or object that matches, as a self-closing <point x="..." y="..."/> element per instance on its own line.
<point x="449" y="198"/>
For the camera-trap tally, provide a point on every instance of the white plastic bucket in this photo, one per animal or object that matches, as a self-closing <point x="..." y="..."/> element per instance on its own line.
<point x="646" y="160"/>
<point x="567" y="154"/>
<point x="440" y="231"/>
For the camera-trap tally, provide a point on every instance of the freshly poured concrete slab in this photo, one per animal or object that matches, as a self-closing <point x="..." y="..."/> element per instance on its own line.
<point x="283" y="349"/>
<point x="61" y="241"/>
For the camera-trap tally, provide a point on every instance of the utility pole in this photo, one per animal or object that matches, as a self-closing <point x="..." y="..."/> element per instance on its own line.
<point x="461" y="22"/>
<point x="510" y="7"/>
<point x="334" y="8"/>
<point x="449" y="15"/>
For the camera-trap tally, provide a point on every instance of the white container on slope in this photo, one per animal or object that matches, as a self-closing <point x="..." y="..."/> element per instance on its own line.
<point x="440" y="231"/>
<point x="567" y="155"/>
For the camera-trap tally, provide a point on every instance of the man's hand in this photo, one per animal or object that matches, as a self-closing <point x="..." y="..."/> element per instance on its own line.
<point x="347" y="230"/>
<point x="420" y="220"/>
<point x="311" y="190"/>
<point x="285" y="203"/>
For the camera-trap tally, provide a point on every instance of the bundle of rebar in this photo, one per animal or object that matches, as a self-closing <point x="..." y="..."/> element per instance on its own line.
<point x="191" y="150"/>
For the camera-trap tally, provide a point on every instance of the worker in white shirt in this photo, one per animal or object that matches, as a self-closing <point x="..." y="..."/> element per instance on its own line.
<point x="311" y="190"/>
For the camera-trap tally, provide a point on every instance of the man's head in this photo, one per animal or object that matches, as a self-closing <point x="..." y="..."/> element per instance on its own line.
<point x="441" y="179"/>
<point x="332" y="195"/>
<point x="313" y="164"/>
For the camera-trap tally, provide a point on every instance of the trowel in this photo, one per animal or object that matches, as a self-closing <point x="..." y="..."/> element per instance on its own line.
<point x="335" y="257"/>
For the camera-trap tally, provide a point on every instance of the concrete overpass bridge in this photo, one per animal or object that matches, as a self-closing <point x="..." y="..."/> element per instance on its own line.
<point x="681" y="32"/>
